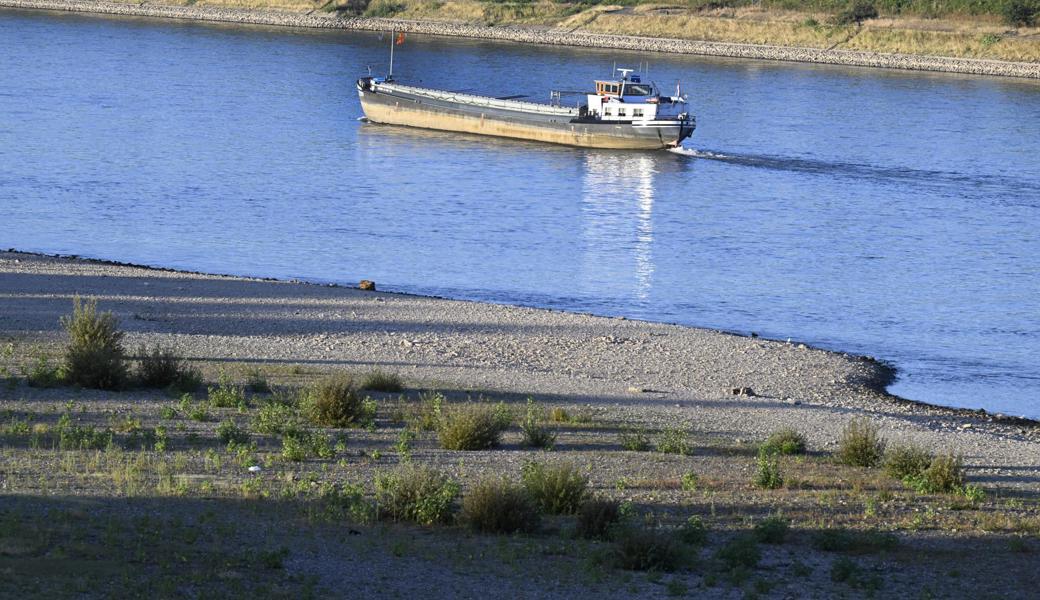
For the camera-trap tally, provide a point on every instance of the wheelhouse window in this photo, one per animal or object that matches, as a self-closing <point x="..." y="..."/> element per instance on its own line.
<point x="638" y="89"/>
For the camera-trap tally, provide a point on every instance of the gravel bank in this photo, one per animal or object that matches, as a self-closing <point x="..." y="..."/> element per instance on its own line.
<point x="634" y="371"/>
<point x="548" y="36"/>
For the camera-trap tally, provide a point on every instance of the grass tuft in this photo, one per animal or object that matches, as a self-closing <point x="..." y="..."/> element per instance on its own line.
<point x="472" y="426"/>
<point x="906" y="461"/>
<point x="419" y="494"/>
<point x="860" y="444"/>
<point x="786" y="442"/>
<point x="559" y="489"/>
<point x="334" y="401"/>
<point x="772" y="530"/>
<point x="675" y="441"/>
<point x="639" y="549"/>
<point x="94" y="357"/>
<point x="596" y="518"/>
<point x="535" y="433"/>
<point x="768" y="475"/>
<point x="161" y="368"/>
<point x="379" y="381"/>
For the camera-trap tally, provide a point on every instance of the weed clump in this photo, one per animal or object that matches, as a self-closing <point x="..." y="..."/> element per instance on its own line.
<point x="675" y="441"/>
<point x="415" y="493"/>
<point x="1019" y="13"/>
<point x="298" y="445"/>
<point x="596" y="517"/>
<point x="772" y="530"/>
<point x="535" y="433"/>
<point x="379" y="381"/>
<point x="558" y="489"/>
<point x="472" y="426"/>
<point x="634" y="440"/>
<point x="785" y="442"/>
<point x="230" y="433"/>
<point x="861" y="11"/>
<point x="693" y="531"/>
<point x="276" y="418"/>
<point x="741" y="552"/>
<point x="639" y="549"/>
<point x="854" y="542"/>
<point x="906" y="461"/>
<point x="161" y="368"/>
<point x="768" y="475"/>
<point x="95" y="356"/>
<point x="226" y="394"/>
<point x="860" y="444"/>
<point x="944" y="475"/>
<point x="81" y="437"/>
<point x="497" y="506"/>
<point x="335" y="402"/>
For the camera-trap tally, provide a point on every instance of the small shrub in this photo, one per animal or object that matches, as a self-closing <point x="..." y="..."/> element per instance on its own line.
<point x="94" y="357"/>
<point x="768" y="475"/>
<point x="634" y="440"/>
<point x="1019" y="13"/>
<point x="256" y="382"/>
<point x="298" y="446"/>
<point x="741" y="551"/>
<point x="276" y="419"/>
<point x="81" y="437"/>
<point x="944" y="475"/>
<point x="689" y="481"/>
<point x="42" y="375"/>
<point x="596" y="517"/>
<point x="497" y="506"/>
<point x="426" y="414"/>
<point x="844" y="570"/>
<point x="785" y="442"/>
<point x="861" y="11"/>
<point x="226" y="394"/>
<point x="906" y="461"/>
<point x="675" y="441"/>
<point x="638" y="549"/>
<point x="535" y="433"/>
<point x="973" y="494"/>
<point x="558" y="489"/>
<point x="772" y="530"/>
<point x="860" y="444"/>
<point x="693" y="531"/>
<point x="161" y="368"/>
<point x="378" y="381"/>
<point x="856" y="542"/>
<point x="230" y="433"/>
<point x="559" y="415"/>
<point x="335" y="402"/>
<point x="472" y="426"/>
<point x="416" y="493"/>
<point x="383" y="8"/>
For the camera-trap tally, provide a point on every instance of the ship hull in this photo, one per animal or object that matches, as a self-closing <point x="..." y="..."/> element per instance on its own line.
<point x="400" y="106"/>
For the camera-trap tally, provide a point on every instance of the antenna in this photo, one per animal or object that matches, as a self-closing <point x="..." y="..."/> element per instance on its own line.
<point x="614" y="70"/>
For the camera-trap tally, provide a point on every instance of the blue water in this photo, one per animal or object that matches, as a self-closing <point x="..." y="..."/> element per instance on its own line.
<point x="879" y="212"/>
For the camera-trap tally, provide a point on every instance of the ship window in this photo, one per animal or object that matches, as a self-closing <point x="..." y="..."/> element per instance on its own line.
<point x="614" y="89"/>
<point x="637" y="90"/>
<point x="606" y="112"/>
<point x="637" y="112"/>
<point x="620" y="112"/>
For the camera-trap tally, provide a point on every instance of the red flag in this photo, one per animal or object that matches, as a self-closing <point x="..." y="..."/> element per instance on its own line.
<point x="400" y="38"/>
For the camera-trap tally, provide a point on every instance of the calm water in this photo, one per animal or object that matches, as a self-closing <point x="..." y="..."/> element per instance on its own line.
<point x="886" y="213"/>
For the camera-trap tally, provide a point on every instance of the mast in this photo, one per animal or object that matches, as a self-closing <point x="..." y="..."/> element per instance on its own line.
<point x="391" y="74"/>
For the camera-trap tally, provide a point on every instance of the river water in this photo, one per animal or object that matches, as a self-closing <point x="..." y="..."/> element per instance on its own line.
<point x="878" y="212"/>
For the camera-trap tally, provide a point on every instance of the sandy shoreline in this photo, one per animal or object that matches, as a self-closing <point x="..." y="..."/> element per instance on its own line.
<point x="545" y="36"/>
<point x="637" y="371"/>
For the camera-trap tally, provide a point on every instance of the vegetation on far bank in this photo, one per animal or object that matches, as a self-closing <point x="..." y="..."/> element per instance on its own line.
<point x="167" y="485"/>
<point x="993" y="29"/>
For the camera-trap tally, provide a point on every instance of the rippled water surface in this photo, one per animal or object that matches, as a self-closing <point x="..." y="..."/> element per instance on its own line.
<point x="879" y="212"/>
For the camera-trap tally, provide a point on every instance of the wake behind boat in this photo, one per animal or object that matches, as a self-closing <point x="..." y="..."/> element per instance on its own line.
<point x="624" y="112"/>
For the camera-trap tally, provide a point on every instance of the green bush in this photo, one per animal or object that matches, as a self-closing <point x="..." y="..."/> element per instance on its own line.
<point x="229" y="432"/>
<point x="535" y="433"/>
<point x="785" y="441"/>
<point x="908" y="460"/>
<point x="944" y="475"/>
<point x="415" y="493"/>
<point x="768" y="475"/>
<point x="300" y="445"/>
<point x="42" y="375"/>
<point x="161" y="368"/>
<point x="675" y="441"/>
<point x="226" y="394"/>
<point x="81" y="437"/>
<point x="741" y="551"/>
<point x="383" y="8"/>
<point x="497" y="506"/>
<point x="638" y="549"/>
<point x="596" y="517"/>
<point x="256" y="381"/>
<point x="94" y="357"/>
<point x="472" y="426"/>
<point x="860" y="444"/>
<point x="559" y="489"/>
<point x="634" y="440"/>
<point x="334" y="401"/>
<point x="693" y="531"/>
<point x="425" y="415"/>
<point x="857" y="542"/>
<point x="275" y="418"/>
<point x="772" y="530"/>
<point x="378" y="381"/>
<point x="689" y="481"/>
<point x="860" y="11"/>
<point x="1019" y="13"/>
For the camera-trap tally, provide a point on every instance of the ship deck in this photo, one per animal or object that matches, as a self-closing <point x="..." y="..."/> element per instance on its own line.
<point x="475" y="100"/>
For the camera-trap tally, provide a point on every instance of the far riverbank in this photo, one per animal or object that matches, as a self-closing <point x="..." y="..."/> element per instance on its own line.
<point x="532" y="35"/>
